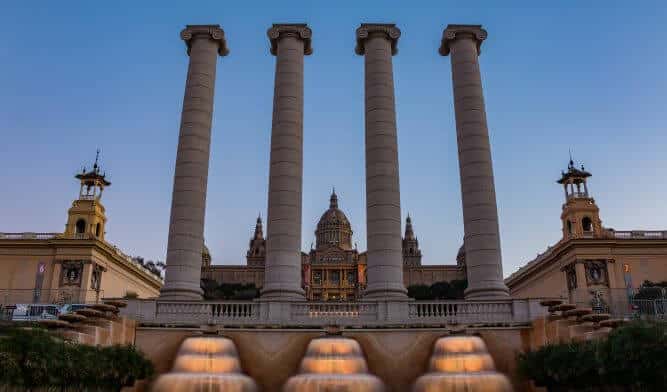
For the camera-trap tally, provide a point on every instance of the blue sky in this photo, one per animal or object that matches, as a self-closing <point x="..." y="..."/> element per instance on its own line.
<point x="587" y="76"/>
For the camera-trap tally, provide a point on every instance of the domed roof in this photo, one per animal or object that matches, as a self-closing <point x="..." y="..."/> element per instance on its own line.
<point x="333" y="216"/>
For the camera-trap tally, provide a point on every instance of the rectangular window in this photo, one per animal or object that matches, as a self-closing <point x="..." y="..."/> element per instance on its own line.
<point x="317" y="277"/>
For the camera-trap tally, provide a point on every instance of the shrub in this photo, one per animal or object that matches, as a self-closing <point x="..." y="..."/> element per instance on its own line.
<point x="572" y="365"/>
<point x="632" y="358"/>
<point x="635" y="356"/>
<point x="32" y="359"/>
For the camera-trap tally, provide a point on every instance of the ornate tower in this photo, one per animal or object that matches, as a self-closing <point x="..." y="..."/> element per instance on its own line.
<point x="86" y="218"/>
<point x="580" y="216"/>
<point x="412" y="255"/>
<point x="256" y="254"/>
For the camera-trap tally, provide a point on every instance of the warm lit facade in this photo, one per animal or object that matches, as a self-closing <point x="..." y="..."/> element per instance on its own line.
<point x="77" y="265"/>
<point x="334" y="270"/>
<point x="590" y="258"/>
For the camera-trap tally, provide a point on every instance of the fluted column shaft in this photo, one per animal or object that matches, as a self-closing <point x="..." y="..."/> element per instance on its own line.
<point x="480" y="212"/>
<point x="188" y="205"/>
<point x="383" y="200"/>
<point x="282" y="276"/>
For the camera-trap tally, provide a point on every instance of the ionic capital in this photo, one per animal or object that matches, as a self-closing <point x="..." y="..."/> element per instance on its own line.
<point x="386" y="30"/>
<point x="299" y="30"/>
<point x="454" y="32"/>
<point x="212" y="32"/>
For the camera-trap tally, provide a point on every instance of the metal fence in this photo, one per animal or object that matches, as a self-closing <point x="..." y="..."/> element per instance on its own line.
<point x="55" y="296"/>
<point x="620" y="303"/>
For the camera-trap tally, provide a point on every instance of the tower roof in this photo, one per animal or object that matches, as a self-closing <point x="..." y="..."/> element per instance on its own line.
<point x="573" y="175"/>
<point x="95" y="175"/>
<point x="409" y="232"/>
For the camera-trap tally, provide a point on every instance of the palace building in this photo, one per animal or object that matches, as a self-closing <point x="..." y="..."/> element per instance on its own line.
<point x="591" y="261"/>
<point x="77" y="265"/>
<point x="334" y="270"/>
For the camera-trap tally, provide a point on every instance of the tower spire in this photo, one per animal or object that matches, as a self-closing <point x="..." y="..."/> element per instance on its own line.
<point x="333" y="201"/>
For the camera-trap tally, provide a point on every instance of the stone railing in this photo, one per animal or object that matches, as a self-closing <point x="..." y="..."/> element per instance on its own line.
<point x="348" y="313"/>
<point x="28" y="236"/>
<point x="204" y="312"/>
<point x="318" y="314"/>
<point x="459" y="312"/>
<point x="639" y="234"/>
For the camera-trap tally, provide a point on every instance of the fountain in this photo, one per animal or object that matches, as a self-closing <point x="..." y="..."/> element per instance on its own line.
<point x="461" y="364"/>
<point x="333" y="363"/>
<point x="206" y="364"/>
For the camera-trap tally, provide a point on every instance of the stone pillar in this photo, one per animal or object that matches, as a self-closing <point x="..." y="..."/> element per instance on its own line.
<point x="378" y="43"/>
<point x="480" y="213"/>
<point x="188" y="203"/>
<point x="282" y="276"/>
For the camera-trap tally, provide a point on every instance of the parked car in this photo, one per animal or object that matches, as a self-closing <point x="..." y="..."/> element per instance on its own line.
<point x="70" y="308"/>
<point x="32" y="312"/>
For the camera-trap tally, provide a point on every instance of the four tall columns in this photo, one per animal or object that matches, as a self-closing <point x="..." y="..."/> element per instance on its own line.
<point x="480" y="212"/>
<point x="186" y="225"/>
<point x="282" y="275"/>
<point x="378" y="43"/>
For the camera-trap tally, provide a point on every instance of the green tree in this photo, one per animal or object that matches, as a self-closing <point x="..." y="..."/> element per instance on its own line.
<point x="419" y="292"/>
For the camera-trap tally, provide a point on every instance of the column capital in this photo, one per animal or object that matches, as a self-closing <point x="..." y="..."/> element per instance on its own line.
<point x="366" y="30"/>
<point x="299" y="30"/>
<point x="212" y="32"/>
<point x="454" y="32"/>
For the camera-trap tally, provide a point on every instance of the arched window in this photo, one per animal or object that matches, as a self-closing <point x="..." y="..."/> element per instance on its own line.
<point x="80" y="226"/>
<point x="569" y="227"/>
<point x="98" y="227"/>
<point x="587" y="224"/>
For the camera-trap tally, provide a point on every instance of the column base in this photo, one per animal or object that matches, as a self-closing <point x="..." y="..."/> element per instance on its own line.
<point x="181" y="294"/>
<point x="385" y="292"/>
<point x="496" y="290"/>
<point x="278" y="292"/>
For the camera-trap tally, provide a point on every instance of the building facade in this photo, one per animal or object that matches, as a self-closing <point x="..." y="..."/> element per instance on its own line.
<point x="591" y="262"/>
<point x="334" y="269"/>
<point x="77" y="265"/>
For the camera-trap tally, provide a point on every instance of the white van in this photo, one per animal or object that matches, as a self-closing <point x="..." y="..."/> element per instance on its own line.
<point x="33" y="312"/>
<point x="71" y="308"/>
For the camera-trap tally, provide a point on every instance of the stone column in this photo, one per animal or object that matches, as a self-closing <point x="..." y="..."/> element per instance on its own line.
<point x="480" y="213"/>
<point x="377" y="43"/>
<point x="282" y="276"/>
<point x="188" y="203"/>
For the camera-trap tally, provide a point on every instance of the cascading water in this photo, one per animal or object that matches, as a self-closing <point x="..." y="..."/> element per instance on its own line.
<point x="206" y="364"/>
<point x="461" y="364"/>
<point x="333" y="364"/>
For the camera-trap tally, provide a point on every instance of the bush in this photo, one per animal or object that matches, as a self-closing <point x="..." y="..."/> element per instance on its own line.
<point x="229" y="291"/>
<point x="632" y="358"/>
<point x="573" y="365"/>
<point x="33" y="358"/>
<point x="438" y="290"/>
<point x="635" y="356"/>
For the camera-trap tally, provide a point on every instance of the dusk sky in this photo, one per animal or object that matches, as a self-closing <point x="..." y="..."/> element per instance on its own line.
<point x="585" y="76"/>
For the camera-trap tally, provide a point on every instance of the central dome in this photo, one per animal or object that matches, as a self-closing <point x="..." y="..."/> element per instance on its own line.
<point x="334" y="228"/>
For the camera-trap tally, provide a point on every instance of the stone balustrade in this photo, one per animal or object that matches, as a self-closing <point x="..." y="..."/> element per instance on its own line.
<point x="460" y="312"/>
<point x="28" y="236"/>
<point x="318" y="314"/>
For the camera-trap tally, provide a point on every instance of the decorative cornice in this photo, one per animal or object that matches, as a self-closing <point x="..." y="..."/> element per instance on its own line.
<point x="281" y="30"/>
<point x="366" y="30"/>
<point x="212" y="32"/>
<point x="453" y="32"/>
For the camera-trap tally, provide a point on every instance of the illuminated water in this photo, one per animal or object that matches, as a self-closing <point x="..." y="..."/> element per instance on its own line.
<point x="333" y="364"/>
<point x="205" y="364"/>
<point x="461" y="364"/>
